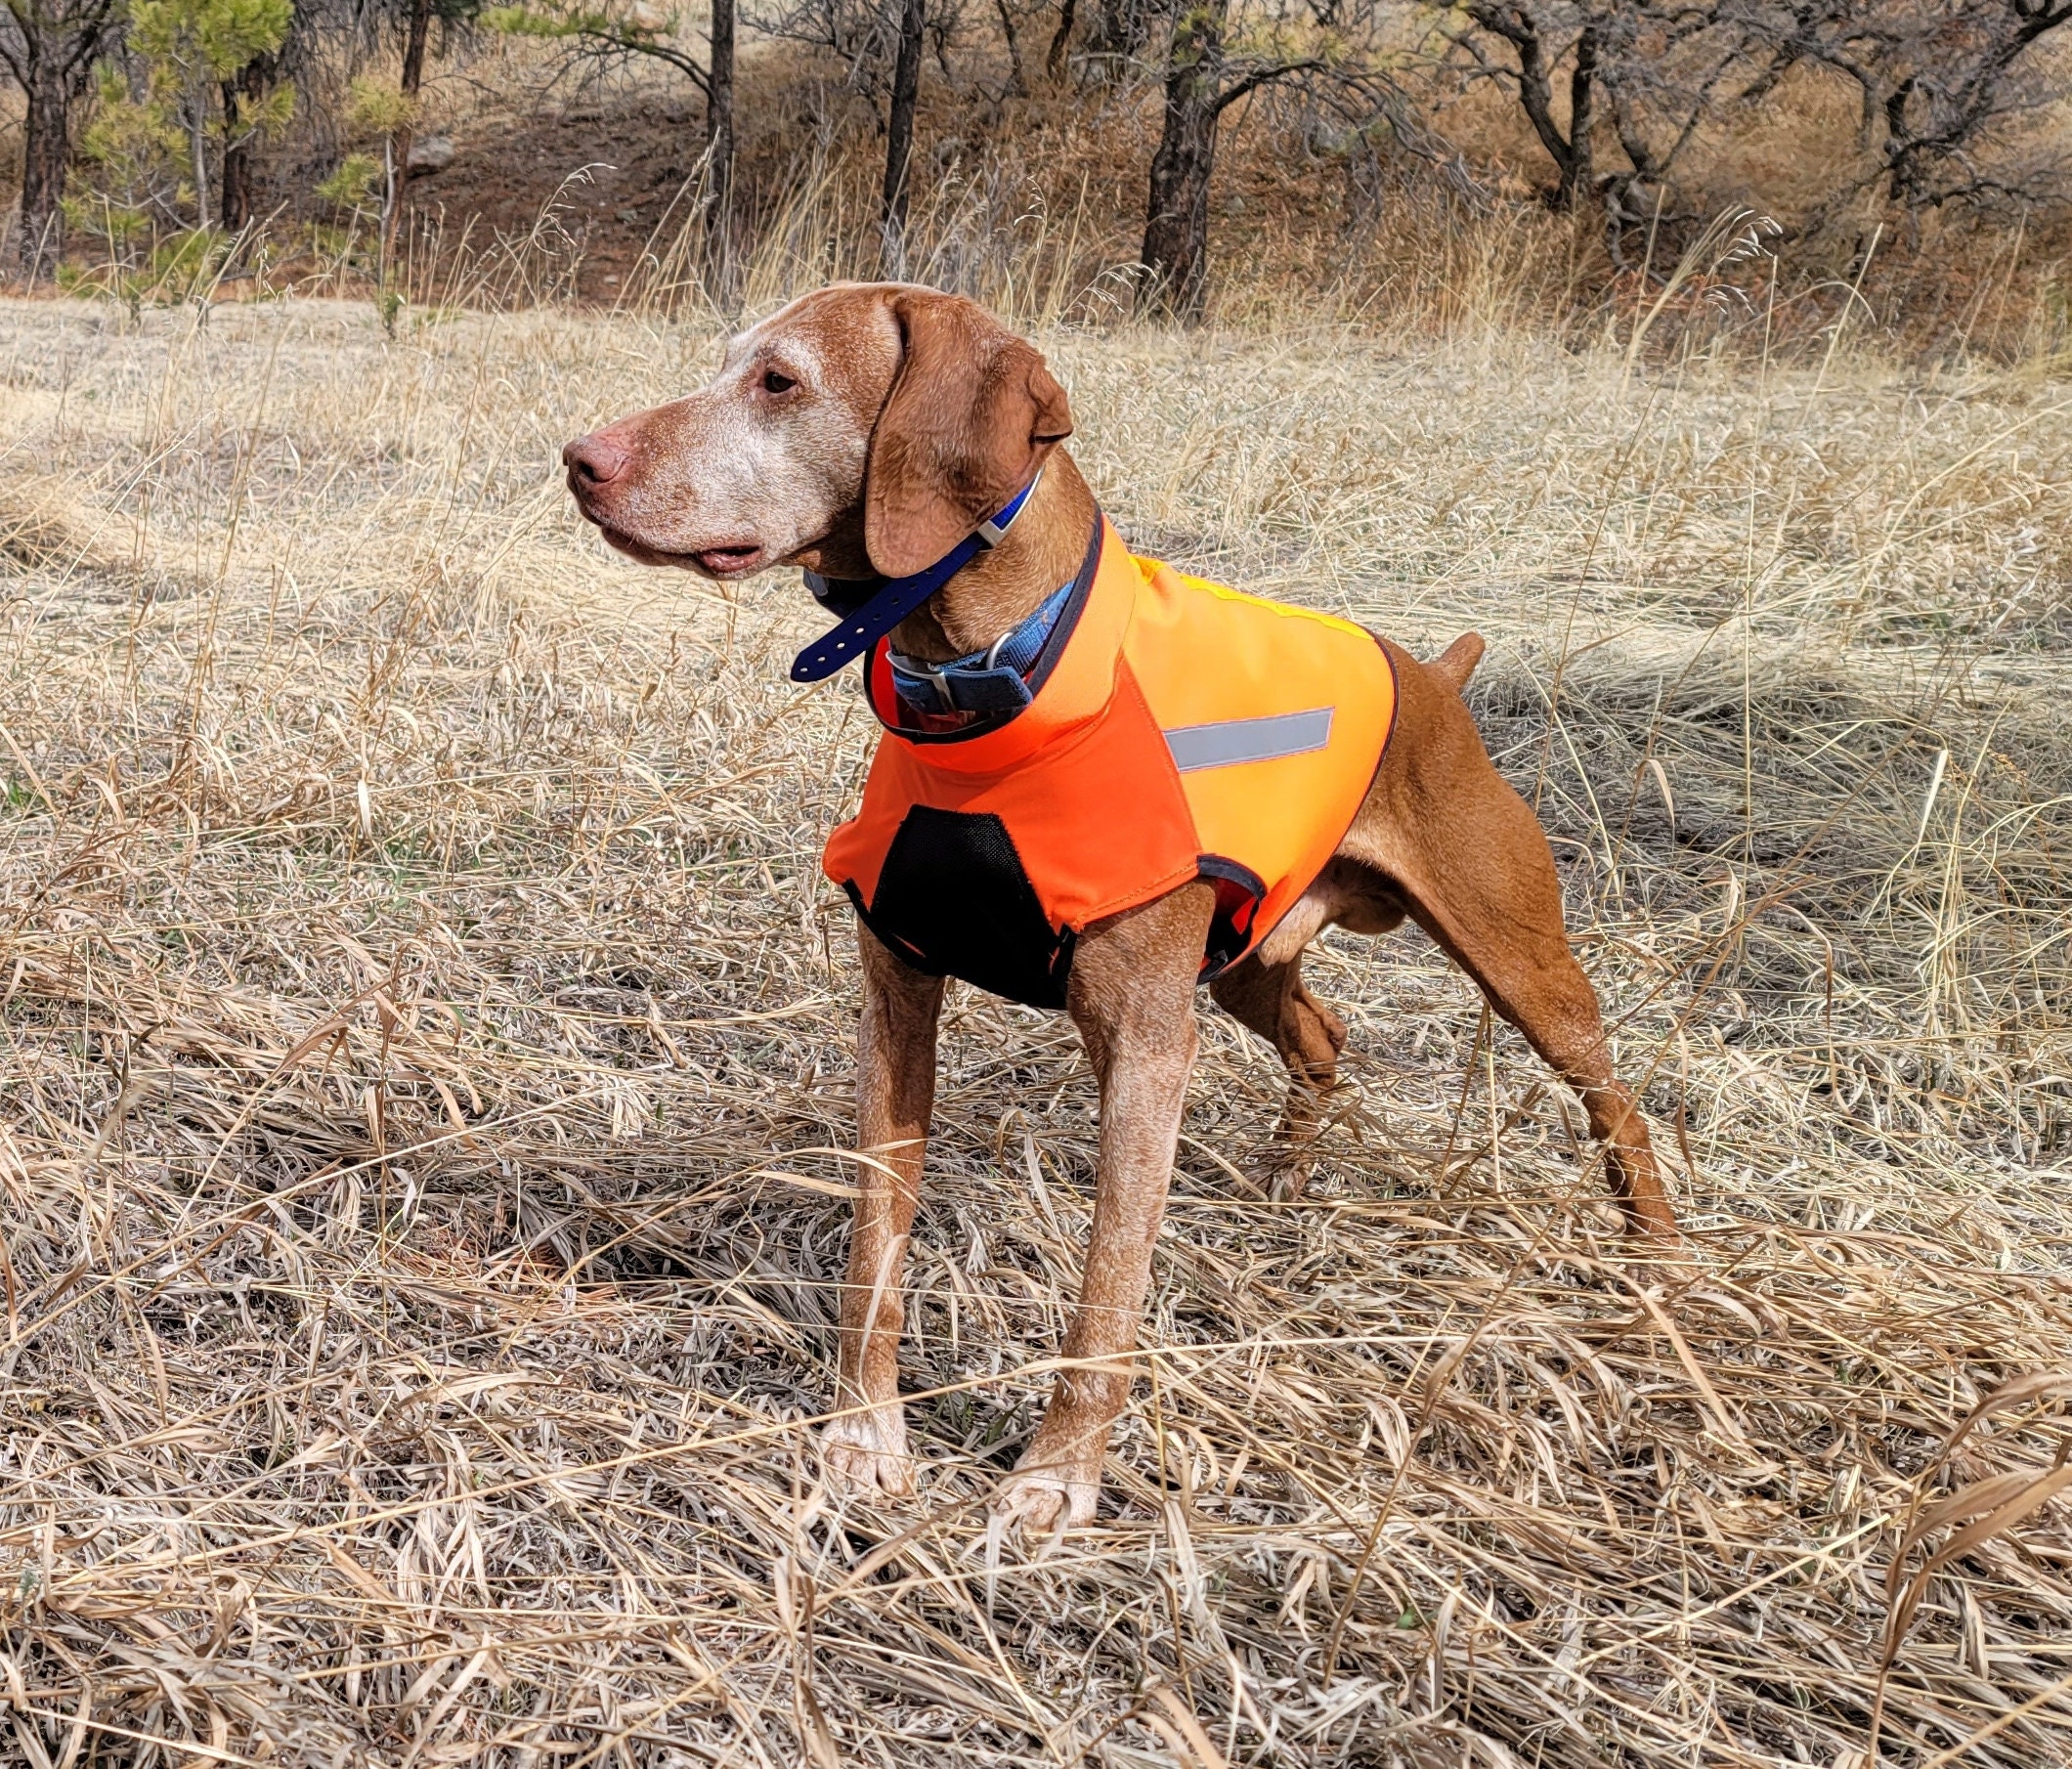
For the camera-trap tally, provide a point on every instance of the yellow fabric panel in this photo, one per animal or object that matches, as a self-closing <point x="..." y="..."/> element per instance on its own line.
<point x="1204" y="656"/>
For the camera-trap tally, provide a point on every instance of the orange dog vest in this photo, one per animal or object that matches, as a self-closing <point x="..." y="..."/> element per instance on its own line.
<point x="1177" y="730"/>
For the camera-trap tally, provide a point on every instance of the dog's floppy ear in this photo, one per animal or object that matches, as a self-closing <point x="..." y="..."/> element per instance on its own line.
<point x="972" y="414"/>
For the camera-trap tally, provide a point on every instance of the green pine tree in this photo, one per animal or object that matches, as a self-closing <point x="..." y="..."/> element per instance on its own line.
<point x="192" y="48"/>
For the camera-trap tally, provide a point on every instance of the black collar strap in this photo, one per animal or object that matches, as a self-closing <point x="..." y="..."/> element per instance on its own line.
<point x="871" y="609"/>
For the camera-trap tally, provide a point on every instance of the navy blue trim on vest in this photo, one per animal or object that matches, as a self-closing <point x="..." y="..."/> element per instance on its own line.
<point x="1033" y="679"/>
<point x="1240" y="892"/>
<point x="993" y="681"/>
<point x="871" y="609"/>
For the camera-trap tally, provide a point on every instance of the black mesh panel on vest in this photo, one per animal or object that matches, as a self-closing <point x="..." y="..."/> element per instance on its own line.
<point x="954" y="900"/>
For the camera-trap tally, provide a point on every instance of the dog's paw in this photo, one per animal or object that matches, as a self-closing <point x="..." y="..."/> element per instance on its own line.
<point x="1045" y="1496"/>
<point x="866" y="1453"/>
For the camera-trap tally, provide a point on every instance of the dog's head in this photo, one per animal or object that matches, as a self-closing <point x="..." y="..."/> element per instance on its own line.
<point x="867" y="427"/>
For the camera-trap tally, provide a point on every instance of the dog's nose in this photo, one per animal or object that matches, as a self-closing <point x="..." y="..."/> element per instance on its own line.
<point x="592" y="461"/>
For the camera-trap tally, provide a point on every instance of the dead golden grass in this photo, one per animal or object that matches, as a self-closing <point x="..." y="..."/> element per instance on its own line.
<point x="426" y="1082"/>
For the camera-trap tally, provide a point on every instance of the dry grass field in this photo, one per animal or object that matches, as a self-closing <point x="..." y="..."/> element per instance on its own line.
<point x="427" y="1041"/>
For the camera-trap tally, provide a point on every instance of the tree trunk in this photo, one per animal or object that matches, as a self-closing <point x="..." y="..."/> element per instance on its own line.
<point x="720" y="161"/>
<point x="413" y="46"/>
<point x="236" y="158"/>
<point x="1061" y="41"/>
<point x="391" y="205"/>
<point x="1175" y="228"/>
<point x="1121" y="28"/>
<point x="398" y="151"/>
<point x="899" y="141"/>
<point x="1579" y="170"/>
<point x="241" y="95"/>
<point x="1017" y="83"/>
<point x="197" y="141"/>
<point x="46" y="154"/>
<point x="1536" y="92"/>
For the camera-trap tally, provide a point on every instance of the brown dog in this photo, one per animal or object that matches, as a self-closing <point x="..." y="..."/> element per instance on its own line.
<point x="868" y="428"/>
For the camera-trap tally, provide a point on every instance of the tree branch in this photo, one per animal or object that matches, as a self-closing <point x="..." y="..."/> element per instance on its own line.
<point x="1263" y="76"/>
<point x="598" y="36"/>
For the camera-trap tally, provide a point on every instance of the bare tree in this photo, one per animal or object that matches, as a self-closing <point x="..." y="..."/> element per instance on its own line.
<point x="900" y="140"/>
<point x="882" y="43"/>
<point x="1120" y="30"/>
<point x="1061" y="39"/>
<point x="1945" y="86"/>
<point x="50" y="48"/>
<point x="1203" y="81"/>
<point x="1543" y="34"/>
<point x="1652" y="68"/>
<point x="720" y="159"/>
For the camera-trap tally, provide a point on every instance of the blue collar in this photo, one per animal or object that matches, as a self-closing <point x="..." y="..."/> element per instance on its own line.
<point x="872" y="608"/>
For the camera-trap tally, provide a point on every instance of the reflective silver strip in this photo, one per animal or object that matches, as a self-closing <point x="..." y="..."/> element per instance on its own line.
<point x="1234" y="740"/>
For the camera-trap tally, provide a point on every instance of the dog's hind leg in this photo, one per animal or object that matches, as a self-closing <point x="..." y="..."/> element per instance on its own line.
<point x="1470" y="862"/>
<point x="1271" y="999"/>
<point x="864" y="1444"/>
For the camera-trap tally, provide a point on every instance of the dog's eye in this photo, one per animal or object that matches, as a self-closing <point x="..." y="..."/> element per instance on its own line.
<point x="774" y="381"/>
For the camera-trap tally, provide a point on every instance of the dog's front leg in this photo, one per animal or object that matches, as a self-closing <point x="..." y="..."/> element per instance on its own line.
<point x="865" y="1443"/>
<point x="1131" y="995"/>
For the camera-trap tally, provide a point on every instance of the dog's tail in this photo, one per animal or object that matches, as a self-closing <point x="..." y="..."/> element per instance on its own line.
<point x="1458" y="661"/>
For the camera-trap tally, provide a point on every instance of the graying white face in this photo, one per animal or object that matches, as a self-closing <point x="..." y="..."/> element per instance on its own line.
<point x="762" y="466"/>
